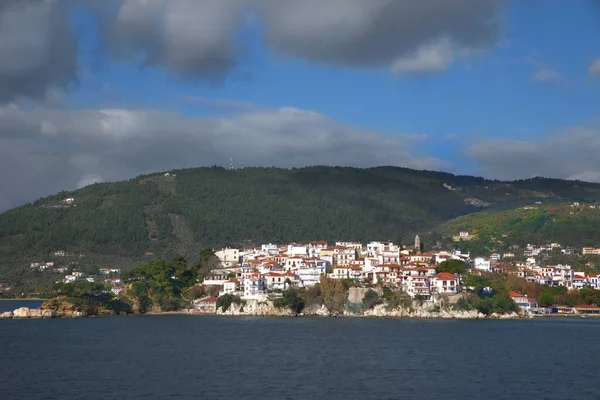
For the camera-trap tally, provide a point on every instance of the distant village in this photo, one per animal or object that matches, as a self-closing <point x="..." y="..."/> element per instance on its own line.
<point x="254" y="273"/>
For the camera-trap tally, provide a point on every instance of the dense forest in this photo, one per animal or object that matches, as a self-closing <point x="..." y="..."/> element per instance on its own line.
<point x="181" y="211"/>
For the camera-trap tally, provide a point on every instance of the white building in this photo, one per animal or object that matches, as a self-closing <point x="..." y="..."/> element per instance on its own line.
<point x="228" y="257"/>
<point x="521" y="301"/>
<point x="482" y="264"/>
<point x="229" y="287"/>
<point x="445" y="283"/>
<point x="310" y="276"/>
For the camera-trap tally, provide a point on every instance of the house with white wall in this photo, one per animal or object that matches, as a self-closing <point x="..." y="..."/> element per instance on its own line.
<point x="445" y="283"/>
<point x="228" y="257"/>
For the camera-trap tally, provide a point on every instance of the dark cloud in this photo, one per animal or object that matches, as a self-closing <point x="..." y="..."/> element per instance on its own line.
<point x="573" y="154"/>
<point x="378" y="32"/>
<point x="189" y="37"/>
<point x="47" y="150"/>
<point x="37" y="48"/>
<point x="198" y="37"/>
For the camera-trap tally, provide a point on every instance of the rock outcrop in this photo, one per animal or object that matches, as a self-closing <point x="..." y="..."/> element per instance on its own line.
<point x="25" y="312"/>
<point x="318" y="311"/>
<point x="380" y="310"/>
<point x="62" y="308"/>
<point x="512" y="315"/>
<point x="254" y="308"/>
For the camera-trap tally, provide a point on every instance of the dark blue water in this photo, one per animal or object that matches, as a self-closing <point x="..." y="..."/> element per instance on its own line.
<point x="10" y="305"/>
<point x="195" y="357"/>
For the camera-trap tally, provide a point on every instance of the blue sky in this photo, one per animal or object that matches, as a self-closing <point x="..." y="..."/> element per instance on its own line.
<point x="504" y="89"/>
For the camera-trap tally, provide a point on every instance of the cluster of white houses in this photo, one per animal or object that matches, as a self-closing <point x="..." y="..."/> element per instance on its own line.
<point x="110" y="276"/>
<point x="252" y="272"/>
<point x="272" y="267"/>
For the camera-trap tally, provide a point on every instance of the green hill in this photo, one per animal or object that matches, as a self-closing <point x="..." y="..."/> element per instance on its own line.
<point x="570" y="225"/>
<point x="118" y="223"/>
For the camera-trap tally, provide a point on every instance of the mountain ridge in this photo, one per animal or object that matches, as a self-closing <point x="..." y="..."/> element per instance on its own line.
<point x="180" y="211"/>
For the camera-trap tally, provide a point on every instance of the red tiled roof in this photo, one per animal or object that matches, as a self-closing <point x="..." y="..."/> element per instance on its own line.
<point x="210" y="299"/>
<point x="446" y="276"/>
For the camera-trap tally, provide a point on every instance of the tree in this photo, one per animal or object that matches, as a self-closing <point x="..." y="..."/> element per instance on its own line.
<point x="334" y="293"/>
<point x="546" y="299"/>
<point x="453" y="267"/>
<point x="207" y="261"/>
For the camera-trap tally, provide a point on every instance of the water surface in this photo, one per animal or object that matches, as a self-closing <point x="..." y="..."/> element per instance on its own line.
<point x="10" y="305"/>
<point x="205" y="357"/>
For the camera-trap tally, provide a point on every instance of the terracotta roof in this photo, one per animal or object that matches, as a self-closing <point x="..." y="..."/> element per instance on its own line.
<point x="210" y="299"/>
<point x="446" y="276"/>
<point x="515" y="294"/>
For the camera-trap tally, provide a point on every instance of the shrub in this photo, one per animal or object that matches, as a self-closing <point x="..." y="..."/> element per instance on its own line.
<point x="354" y="308"/>
<point x="395" y="299"/>
<point x="291" y="298"/>
<point x="370" y="299"/>
<point x="226" y="300"/>
<point x="462" y="305"/>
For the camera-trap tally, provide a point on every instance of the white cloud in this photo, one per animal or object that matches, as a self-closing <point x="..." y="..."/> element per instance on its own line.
<point x="427" y="59"/>
<point x="546" y="75"/>
<point x="594" y="68"/>
<point x="43" y="150"/>
<point x="88" y="180"/>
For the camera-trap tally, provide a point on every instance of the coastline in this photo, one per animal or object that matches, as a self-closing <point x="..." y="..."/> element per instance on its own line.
<point x="26" y="299"/>
<point x="26" y="313"/>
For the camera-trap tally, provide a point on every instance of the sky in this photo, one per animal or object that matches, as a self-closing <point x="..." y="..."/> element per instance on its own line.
<point x="105" y="90"/>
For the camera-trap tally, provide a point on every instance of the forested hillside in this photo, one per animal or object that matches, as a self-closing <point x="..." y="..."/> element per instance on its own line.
<point x="181" y="211"/>
<point x="569" y="224"/>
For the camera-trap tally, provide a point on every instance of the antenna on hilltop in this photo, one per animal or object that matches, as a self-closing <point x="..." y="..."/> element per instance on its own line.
<point x="243" y="162"/>
<point x="230" y="163"/>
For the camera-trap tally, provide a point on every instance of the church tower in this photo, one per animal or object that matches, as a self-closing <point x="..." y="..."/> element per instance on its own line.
<point x="417" y="244"/>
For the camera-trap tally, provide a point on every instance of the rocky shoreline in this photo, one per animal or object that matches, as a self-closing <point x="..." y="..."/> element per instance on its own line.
<point x="259" y="309"/>
<point x="25" y="312"/>
<point x="256" y="309"/>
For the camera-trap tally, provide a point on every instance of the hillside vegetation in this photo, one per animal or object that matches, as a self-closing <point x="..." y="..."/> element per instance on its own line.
<point x="161" y="215"/>
<point x="565" y="223"/>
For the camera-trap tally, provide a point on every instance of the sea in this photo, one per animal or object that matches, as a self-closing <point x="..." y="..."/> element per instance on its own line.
<point x="211" y="357"/>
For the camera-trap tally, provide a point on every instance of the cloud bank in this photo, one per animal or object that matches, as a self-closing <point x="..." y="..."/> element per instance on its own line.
<point x="45" y="150"/>
<point x="572" y="154"/>
<point x="200" y="38"/>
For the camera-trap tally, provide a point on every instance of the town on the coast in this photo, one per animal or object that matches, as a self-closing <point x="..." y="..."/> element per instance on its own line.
<point x="277" y="267"/>
<point x="433" y="279"/>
